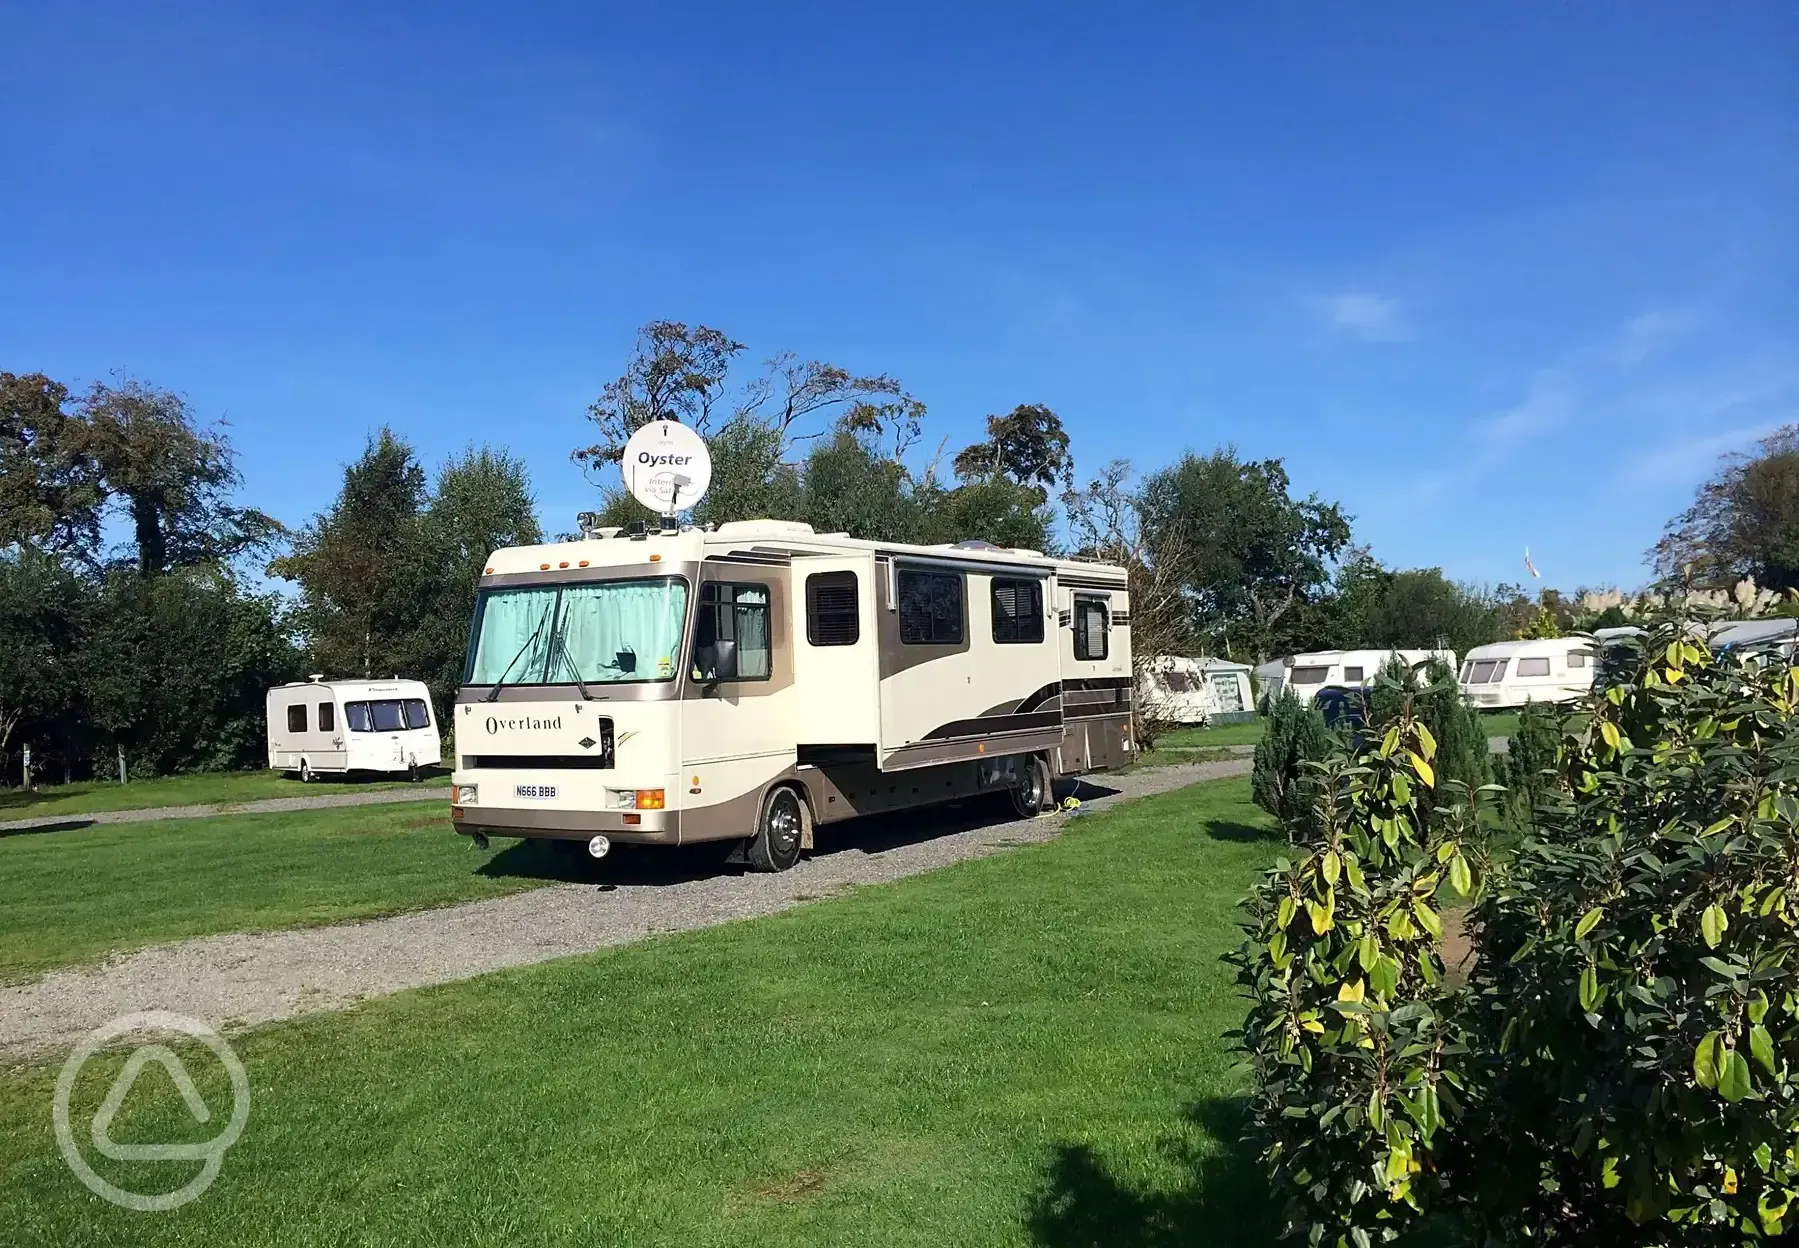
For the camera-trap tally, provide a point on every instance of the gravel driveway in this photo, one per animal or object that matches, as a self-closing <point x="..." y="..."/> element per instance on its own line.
<point x="262" y="806"/>
<point x="248" y="978"/>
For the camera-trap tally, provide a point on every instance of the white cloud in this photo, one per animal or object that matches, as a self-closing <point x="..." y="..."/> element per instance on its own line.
<point x="1363" y="316"/>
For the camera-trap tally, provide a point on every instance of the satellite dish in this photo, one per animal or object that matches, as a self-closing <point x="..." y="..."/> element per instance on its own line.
<point x="666" y="467"/>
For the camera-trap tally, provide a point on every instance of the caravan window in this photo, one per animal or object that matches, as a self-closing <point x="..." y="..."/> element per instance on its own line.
<point x="1467" y="670"/>
<point x="737" y="615"/>
<point x="417" y="714"/>
<point x="1179" y="682"/>
<point x="1533" y="667"/>
<point x="1577" y="658"/>
<point x="1352" y="675"/>
<point x="832" y="612"/>
<point x="1090" y="640"/>
<point x="1310" y="675"/>
<point x="296" y="718"/>
<point x="327" y="717"/>
<point x="1017" y="611"/>
<point x="930" y="607"/>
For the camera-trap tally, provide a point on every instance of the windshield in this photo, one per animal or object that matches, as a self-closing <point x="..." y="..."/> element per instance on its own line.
<point x="602" y="632"/>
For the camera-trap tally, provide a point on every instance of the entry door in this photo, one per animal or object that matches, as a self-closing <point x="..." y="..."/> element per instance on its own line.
<point x="741" y="711"/>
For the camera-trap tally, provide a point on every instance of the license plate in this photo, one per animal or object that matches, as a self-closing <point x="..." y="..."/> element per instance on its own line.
<point x="535" y="790"/>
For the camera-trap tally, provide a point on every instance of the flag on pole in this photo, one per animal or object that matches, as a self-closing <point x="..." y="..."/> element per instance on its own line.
<point x="1531" y="566"/>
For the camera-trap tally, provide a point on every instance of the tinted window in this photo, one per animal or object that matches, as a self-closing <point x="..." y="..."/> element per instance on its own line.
<point x="1533" y="667"/>
<point x="730" y="633"/>
<point x="1352" y="675"/>
<point x="387" y="715"/>
<point x="1310" y="675"/>
<point x="930" y="608"/>
<point x="417" y="714"/>
<point x="296" y="719"/>
<point x="356" y="715"/>
<point x="1090" y="640"/>
<point x="1481" y="671"/>
<point x="832" y="611"/>
<point x="1499" y="670"/>
<point x="1178" y="681"/>
<point x="327" y="717"/>
<point x="1017" y="611"/>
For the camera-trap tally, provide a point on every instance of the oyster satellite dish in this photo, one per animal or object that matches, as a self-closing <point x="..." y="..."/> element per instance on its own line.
<point x="666" y="467"/>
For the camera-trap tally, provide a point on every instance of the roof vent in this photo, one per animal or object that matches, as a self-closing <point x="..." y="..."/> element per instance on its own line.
<point x="316" y="677"/>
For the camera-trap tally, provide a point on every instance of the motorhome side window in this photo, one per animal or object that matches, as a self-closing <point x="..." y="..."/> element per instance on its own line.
<point x="296" y="719"/>
<point x="1017" y="611"/>
<point x="833" y="614"/>
<point x="1090" y="635"/>
<point x="327" y="717"/>
<point x="930" y="607"/>
<point x="730" y="633"/>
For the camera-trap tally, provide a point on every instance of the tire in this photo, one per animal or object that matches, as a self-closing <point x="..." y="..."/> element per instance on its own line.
<point x="305" y="772"/>
<point x="780" y="827"/>
<point x="1035" y="789"/>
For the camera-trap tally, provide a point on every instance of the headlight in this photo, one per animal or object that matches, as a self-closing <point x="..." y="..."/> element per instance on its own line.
<point x="465" y="795"/>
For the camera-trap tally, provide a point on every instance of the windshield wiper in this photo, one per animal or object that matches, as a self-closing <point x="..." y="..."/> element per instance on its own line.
<point x="530" y="641"/>
<point x="559" y="650"/>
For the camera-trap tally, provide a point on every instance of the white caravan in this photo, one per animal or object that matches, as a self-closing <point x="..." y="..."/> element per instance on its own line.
<point x="1180" y="690"/>
<point x="1508" y="674"/>
<point x="1306" y="674"/>
<point x="340" y="726"/>
<point x="750" y="683"/>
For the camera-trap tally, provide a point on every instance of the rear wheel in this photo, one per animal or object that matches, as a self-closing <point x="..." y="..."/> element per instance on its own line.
<point x="779" y="831"/>
<point x="1032" y="791"/>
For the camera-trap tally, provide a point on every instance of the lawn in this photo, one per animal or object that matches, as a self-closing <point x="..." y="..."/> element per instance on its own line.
<point x="1021" y="1050"/>
<point x="74" y="894"/>
<point x="207" y="788"/>
<point x="1211" y="738"/>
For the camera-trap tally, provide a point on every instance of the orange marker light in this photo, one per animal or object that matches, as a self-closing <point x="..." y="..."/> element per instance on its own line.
<point x="650" y="799"/>
<point x="543" y="567"/>
<point x="563" y="564"/>
<point x="633" y="820"/>
<point x="490" y="571"/>
<point x="655" y="558"/>
<point x="582" y="564"/>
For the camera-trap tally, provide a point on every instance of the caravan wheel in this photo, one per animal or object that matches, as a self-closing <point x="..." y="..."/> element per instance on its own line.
<point x="1032" y="793"/>
<point x="779" y="831"/>
<point x="305" y="772"/>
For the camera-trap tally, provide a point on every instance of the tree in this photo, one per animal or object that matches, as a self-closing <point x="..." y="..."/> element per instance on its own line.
<point x="1744" y="523"/>
<point x="848" y="487"/>
<point x="50" y="490"/>
<point x="172" y="477"/>
<point x="675" y="373"/>
<point x="360" y="565"/>
<point x="1254" y="557"/>
<point x="1028" y="445"/>
<point x="43" y="622"/>
<point x="1283" y="781"/>
<point x="481" y="502"/>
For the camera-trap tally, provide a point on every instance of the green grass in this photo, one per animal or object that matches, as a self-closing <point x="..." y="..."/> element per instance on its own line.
<point x="1021" y="1050"/>
<point x="1499" y="723"/>
<point x="75" y="894"/>
<point x="1206" y="738"/>
<point x="208" y="788"/>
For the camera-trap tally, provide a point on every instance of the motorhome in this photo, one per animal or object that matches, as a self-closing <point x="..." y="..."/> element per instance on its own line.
<point x="750" y="683"/>
<point x="1306" y="674"/>
<point x="321" y="727"/>
<point x="1509" y="674"/>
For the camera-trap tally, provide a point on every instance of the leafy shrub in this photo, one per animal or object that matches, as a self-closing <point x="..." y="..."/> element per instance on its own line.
<point x="1463" y="756"/>
<point x="1351" y="1030"/>
<point x="1636" y="989"/>
<point x="1295" y="735"/>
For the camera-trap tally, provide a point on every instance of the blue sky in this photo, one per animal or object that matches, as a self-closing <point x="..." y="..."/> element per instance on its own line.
<point x="1494" y="280"/>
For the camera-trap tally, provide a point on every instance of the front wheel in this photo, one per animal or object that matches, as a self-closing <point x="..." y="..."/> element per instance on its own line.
<point x="1031" y="792"/>
<point x="779" y="830"/>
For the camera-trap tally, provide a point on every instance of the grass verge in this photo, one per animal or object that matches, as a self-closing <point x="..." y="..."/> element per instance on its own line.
<point x="1206" y="738"/>
<point x="1020" y="1050"/>
<point x="205" y="788"/>
<point x="75" y="894"/>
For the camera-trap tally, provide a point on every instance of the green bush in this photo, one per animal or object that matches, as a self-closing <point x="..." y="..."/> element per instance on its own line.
<point x="1529" y="767"/>
<point x="1622" y="1067"/>
<point x="1352" y="1032"/>
<point x="1463" y="757"/>
<point x="1279" y="782"/>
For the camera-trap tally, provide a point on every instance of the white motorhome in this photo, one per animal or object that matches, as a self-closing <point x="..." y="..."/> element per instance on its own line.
<point x="1306" y="674"/>
<point x="750" y="683"/>
<point x="1509" y="674"/>
<point x="339" y="726"/>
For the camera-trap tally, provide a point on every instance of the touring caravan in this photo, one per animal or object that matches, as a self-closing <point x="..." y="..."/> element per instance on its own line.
<point x="339" y="726"/>
<point x="749" y="683"/>
<point x="1508" y="674"/>
<point x="1306" y="674"/>
<point x="1179" y="690"/>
